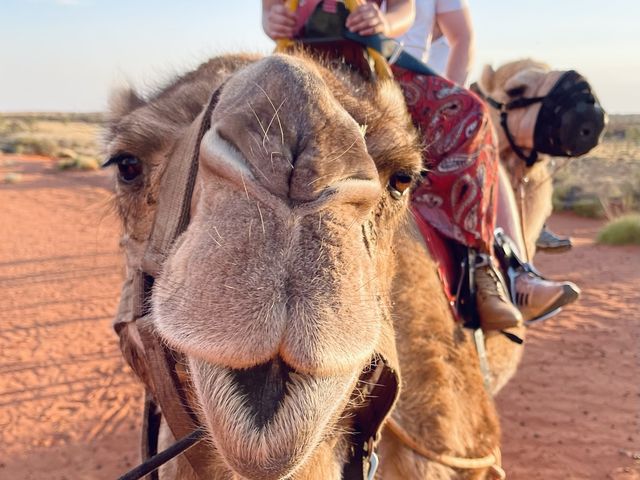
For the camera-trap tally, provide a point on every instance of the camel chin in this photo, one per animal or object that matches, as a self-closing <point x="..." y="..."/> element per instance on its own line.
<point x="266" y="421"/>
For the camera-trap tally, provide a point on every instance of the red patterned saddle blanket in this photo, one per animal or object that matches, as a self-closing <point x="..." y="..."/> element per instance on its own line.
<point x="441" y="250"/>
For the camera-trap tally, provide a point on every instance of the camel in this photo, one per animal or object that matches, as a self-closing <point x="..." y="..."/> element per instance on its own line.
<point x="300" y="259"/>
<point x="533" y="185"/>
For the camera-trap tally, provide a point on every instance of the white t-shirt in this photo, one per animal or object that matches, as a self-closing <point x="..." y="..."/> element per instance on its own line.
<point x="439" y="55"/>
<point x="417" y="41"/>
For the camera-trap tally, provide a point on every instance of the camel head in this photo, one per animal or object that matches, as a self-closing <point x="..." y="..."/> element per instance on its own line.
<point x="278" y="291"/>
<point x="567" y="121"/>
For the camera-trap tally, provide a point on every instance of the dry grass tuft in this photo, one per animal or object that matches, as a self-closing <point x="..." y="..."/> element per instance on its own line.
<point x="79" y="162"/>
<point x="622" y="231"/>
<point x="12" y="178"/>
<point x="50" y="134"/>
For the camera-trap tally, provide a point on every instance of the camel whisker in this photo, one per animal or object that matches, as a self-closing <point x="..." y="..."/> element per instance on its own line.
<point x="264" y="231"/>
<point x="275" y="114"/>
<point x="259" y="123"/>
<point x="211" y="237"/>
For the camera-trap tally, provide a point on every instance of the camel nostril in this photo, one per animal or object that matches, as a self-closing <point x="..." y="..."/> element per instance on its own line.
<point x="264" y="387"/>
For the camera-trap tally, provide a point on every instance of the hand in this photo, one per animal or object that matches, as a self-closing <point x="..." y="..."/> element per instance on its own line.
<point x="367" y="19"/>
<point x="279" y="22"/>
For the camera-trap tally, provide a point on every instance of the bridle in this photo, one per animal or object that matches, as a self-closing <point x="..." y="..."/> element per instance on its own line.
<point x="568" y="124"/>
<point x="153" y="362"/>
<point x="504" y="109"/>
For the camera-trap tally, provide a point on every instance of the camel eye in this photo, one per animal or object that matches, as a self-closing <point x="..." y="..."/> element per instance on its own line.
<point x="399" y="184"/>
<point x="129" y="167"/>
<point x="516" y="91"/>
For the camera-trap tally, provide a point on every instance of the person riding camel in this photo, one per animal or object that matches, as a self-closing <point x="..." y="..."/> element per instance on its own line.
<point x="459" y="194"/>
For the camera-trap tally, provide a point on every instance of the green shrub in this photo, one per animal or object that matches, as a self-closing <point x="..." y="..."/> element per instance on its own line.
<point x="622" y="231"/>
<point x="66" y="153"/>
<point x="563" y="195"/>
<point x="633" y="134"/>
<point x="17" y="126"/>
<point x="8" y="147"/>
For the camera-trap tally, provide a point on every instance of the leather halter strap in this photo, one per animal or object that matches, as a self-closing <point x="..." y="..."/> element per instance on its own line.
<point x="151" y="360"/>
<point x="172" y="218"/>
<point x="504" y="108"/>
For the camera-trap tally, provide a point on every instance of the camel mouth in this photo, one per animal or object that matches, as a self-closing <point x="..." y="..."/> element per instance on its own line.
<point x="266" y="421"/>
<point x="264" y="386"/>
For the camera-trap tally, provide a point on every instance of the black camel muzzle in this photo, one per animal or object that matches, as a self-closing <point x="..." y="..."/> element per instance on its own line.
<point x="569" y="124"/>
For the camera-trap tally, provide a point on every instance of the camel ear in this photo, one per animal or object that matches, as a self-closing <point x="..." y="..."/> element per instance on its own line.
<point x="123" y="101"/>
<point x="486" y="78"/>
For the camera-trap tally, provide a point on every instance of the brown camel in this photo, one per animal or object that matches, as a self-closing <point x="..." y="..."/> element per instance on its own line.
<point x="299" y="259"/>
<point x="533" y="185"/>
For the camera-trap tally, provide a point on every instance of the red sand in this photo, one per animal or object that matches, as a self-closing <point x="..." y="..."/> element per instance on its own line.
<point x="69" y="407"/>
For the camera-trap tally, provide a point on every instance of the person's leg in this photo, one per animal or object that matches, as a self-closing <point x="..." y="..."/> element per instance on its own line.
<point x="459" y="193"/>
<point x="508" y="216"/>
<point x="508" y="219"/>
<point x="534" y="295"/>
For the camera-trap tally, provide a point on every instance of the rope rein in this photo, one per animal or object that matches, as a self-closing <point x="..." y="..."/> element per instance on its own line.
<point x="152" y="464"/>
<point x="491" y="461"/>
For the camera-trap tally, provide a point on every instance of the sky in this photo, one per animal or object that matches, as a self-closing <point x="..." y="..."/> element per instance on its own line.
<point x="67" y="55"/>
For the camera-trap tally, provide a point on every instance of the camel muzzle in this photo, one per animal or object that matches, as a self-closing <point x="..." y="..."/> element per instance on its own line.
<point x="570" y="122"/>
<point x="571" y="119"/>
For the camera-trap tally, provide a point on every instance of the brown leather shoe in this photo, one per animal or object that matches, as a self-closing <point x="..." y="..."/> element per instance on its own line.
<point x="536" y="297"/>
<point x="494" y="307"/>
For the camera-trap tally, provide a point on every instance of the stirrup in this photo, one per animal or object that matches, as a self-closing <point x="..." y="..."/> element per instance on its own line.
<point x="510" y="261"/>
<point x="544" y="316"/>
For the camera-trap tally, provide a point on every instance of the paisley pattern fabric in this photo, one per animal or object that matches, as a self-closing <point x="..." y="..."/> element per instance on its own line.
<point x="459" y="193"/>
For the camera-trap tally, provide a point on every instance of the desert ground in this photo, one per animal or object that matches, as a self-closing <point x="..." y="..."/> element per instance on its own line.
<point x="70" y="407"/>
